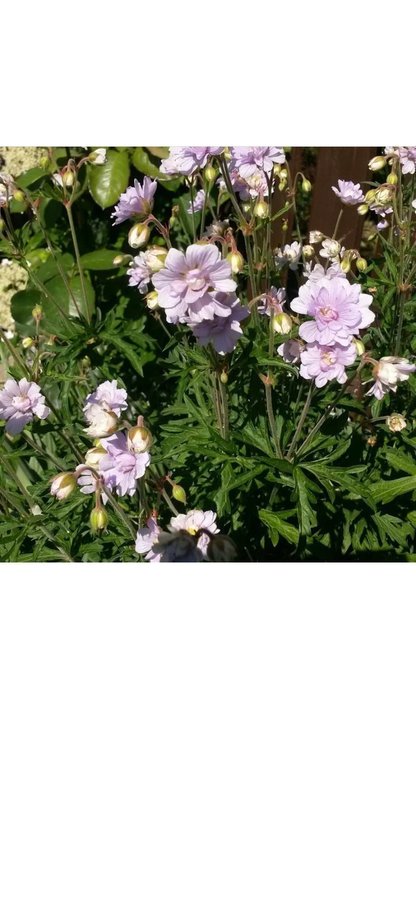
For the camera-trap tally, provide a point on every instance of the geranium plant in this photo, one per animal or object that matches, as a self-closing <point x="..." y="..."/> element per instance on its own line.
<point x="176" y="388"/>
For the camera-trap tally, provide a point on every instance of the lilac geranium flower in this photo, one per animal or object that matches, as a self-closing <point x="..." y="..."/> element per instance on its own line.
<point x="291" y="350"/>
<point x="199" y="201"/>
<point x="120" y="467"/>
<point x="139" y="273"/>
<point x="290" y="255"/>
<point x="108" y="396"/>
<point x="349" y="193"/>
<point x="338" y="307"/>
<point x="186" y="160"/>
<point x="317" y="271"/>
<point x="249" y="160"/>
<point x="136" y="202"/>
<point x="20" y="401"/>
<point x="407" y="156"/>
<point x="188" y="276"/>
<point x="274" y="300"/>
<point x="192" y="521"/>
<point x="222" y="331"/>
<point x="389" y="371"/>
<point x="326" y="363"/>
<point x="146" y="538"/>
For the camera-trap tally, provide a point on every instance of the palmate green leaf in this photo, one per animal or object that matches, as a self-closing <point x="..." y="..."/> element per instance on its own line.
<point x="386" y="491"/>
<point x="99" y="260"/>
<point x="136" y="357"/>
<point x="390" y="527"/>
<point x="108" y="181"/>
<point x="400" y="462"/>
<point x="306" y="515"/>
<point x="275" y="523"/>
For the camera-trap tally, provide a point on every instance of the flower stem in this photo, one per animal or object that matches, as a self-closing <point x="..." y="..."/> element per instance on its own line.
<point x="300" y="424"/>
<point x="78" y="258"/>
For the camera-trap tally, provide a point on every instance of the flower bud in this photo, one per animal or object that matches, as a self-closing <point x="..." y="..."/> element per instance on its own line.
<point x="68" y="178"/>
<point x="362" y="209"/>
<point x="346" y="263"/>
<point x="155" y="258"/>
<point x="246" y="207"/>
<point x="98" y="157"/>
<point x="178" y="493"/>
<point x="224" y="377"/>
<point x="139" y="439"/>
<point x="315" y="237"/>
<point x="27" y="342"/>
<point x="360" y="347"/>
<point x="98" y="519"/>
<point x="306" y="186"/>
<point x="93" y="456"/>
<point x="152" y="300"/>
<point x="138" y="235"/>
<point x="361" y="264"/>
<point x="37" y="313"/>
<point x="369" y="197"/>
<point x="63" y="485"/>
<point x="372" y="440"/>
<point x="236" y="261"/>
<point x="19" y="196"/>
<point x="396" y="422"/>
<point x="103" y="422"/>
<point x="384" y="195"/>
<point x="210" y="174"/>
<point x="392" y="178"/>
<point x="308" y="251"/>
<point x="221" y="549"/>
<point x="377" y="163"/>
<point x="44" y="162"/>
<point x="261" y="209"/>
<point x="277" y="169"/>
<point x="121" y="258"/>
<point x="282" y="323"/>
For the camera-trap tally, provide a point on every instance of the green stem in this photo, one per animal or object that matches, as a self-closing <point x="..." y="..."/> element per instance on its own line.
<point x="78" y="258"/>
<point x="224" y="406"/>
<point x="269" y="393"/>
<point x="300" y="424"/>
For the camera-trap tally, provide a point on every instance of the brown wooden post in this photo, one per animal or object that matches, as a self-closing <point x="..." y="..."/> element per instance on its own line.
<point x="349" y="164"/>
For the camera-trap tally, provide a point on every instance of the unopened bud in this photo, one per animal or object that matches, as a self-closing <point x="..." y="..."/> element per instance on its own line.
<point x="377" y="163"/>
<point x="221" y="549"/>
<point x="152" y="300"/>
<point x="277" y="169"/>
<point x="359" y="345"/>
<point x="384" y="195"/>
<point x="261" y="209"/>
<point x="138" y="235"/>
<point x="361" y="264"/>
<point x="178" y="493"/>
<point x="396" y="422"/>
<point x="246" y="207"/>
<point x="308" y="251"/>
<point x="139" y="439"/>
<point x="224" y="377"/>
<point x="346" y="264"/>
<point x="155" y="258"/>
<point x="63" y="485"/>
<point x="315" y="237"/>
<point x="68" y="178"/>
<point x="37" y="313"/>
<point x="372" y="440"/>
<point x="282" y="323"/>
<point x="19" y="196"/>
<point x="236" y="260"/>
<point x="44" y="162"/>
<point x="120" y="259"/>
<point x="210" y="174"/>
<point x="27" y="342"/>
<point x="98" y="157"/>
<point x="362" y="209"/>
<point x="306" y="186"/>
<point x="93" y="456"/>
<point x="392" y="178"/>
<point x="98" y="519"/>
